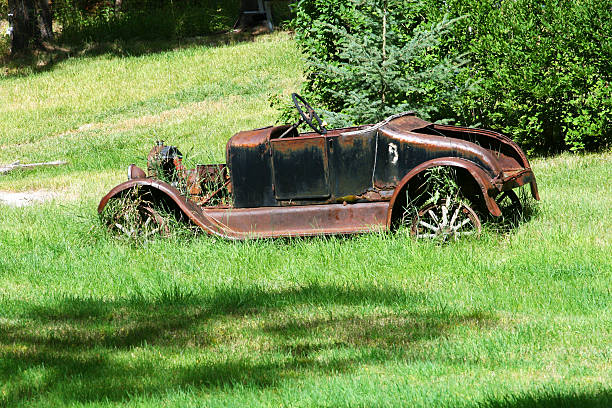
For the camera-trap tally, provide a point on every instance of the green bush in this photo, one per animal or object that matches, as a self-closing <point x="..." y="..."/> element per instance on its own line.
<point x="374" y="65"/>
<point x="4" y="39"/>
<point x="143" y="19"/>
<point x="545" y="70"/>
<point x="543" y="67"/>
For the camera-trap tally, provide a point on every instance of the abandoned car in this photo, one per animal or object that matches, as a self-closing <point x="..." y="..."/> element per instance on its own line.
<point x="277" y="182"/>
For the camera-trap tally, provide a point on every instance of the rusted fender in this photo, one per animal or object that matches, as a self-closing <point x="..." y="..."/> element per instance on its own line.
<point x="165" y="190"/>
<point x="489" y="133"/>
<point x="521" y="178"/>
<point x="479" y="175"/>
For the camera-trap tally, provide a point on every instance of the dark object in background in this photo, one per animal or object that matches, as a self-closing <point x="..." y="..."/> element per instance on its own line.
<point x="253" y="12"/>
<point x="30" y="23"/>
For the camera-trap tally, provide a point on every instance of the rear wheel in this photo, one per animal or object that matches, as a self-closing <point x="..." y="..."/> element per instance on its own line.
<point x="448" y="219"/>
<point x="509" y="203"/>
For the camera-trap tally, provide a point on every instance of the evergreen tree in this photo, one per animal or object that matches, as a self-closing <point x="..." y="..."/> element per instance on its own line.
<point x="385" y="66"/>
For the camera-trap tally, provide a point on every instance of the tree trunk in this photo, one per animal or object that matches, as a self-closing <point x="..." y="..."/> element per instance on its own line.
<point x="45" y="21"/>
<point x="32" y="24"/>
<point x="22" y="12"/>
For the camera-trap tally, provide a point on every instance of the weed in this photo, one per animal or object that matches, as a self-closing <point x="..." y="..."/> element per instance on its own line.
<point x="133" y="217"/>
<point x="436" y="190"/>
<point x="206" y="184"/>
<point x="136" y="217"/>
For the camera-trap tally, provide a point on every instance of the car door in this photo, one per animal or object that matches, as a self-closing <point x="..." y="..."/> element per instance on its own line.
<point x="300" y="168"/>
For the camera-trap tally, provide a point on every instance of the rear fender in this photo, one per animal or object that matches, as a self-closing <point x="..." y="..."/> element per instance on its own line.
<point x="478" y="174"/>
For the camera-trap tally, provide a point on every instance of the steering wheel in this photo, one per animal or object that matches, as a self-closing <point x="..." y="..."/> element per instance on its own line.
<point x="308" y="114"/>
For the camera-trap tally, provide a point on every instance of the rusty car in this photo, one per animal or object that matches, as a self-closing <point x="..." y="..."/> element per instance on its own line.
<point x="280" y="182"/>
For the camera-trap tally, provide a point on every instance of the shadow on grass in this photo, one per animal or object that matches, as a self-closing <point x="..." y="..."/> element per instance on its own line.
<point x="85" y="350"/>
<point x="46" y="59"/>
<point x="551" y="399"/>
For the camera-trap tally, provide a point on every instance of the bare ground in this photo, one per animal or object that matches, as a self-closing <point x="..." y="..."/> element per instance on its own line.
<point x="13" y="199"/>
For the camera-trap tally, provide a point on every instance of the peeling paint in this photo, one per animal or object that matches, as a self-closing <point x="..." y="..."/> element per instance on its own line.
<point x="393" y="154"/>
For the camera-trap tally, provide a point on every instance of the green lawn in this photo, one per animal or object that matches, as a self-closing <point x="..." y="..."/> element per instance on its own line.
<point x="521" y="319"/>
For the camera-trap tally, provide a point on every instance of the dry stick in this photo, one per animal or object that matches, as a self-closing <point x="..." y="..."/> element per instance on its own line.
<point x="17" y="165"/>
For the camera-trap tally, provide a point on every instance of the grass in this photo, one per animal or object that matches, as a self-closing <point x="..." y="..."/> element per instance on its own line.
<point x="519" y="319"/>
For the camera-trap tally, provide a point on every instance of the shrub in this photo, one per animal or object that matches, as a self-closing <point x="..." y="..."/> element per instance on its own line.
<point x="366" y="63"/>
<point x="543" y="67"/>
<point x="143" y="19"/>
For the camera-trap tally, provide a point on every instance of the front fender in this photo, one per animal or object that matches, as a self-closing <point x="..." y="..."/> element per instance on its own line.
<point x="479" y="175"/>
<point x="163" y="190"/>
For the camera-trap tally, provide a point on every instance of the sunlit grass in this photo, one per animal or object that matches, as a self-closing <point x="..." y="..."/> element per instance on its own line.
<point x="210" y="92"/>
<point x="516" y="319"/>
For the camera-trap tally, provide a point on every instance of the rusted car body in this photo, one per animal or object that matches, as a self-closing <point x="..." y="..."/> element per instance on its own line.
<point x="277" y="182"/>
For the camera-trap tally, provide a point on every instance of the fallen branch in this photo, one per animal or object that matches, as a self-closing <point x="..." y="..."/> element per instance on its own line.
<point x="17" y="165"/>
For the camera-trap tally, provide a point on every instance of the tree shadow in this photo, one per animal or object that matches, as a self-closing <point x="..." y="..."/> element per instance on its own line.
<point x="45" y="59"/>
<point x="551" y="399"/>
<point x="88" y="350"/>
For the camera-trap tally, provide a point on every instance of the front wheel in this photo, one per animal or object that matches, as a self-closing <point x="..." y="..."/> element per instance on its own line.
<point x="447" y="219"/>
<point x="135" y="216"/>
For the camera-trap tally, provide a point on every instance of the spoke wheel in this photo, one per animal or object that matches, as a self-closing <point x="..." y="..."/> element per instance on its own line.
<point x="446" y="220"/>
<point x="142" y="224"/>
<point x="509" y="203"/>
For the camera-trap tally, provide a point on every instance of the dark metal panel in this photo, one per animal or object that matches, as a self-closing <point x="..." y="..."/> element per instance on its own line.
<point x="248" y="158"/>
<point x="399" y="152"/>
<point x="300" y="168"/>
<point x="496" y="142"/>
<point x="351" y="159"/>
<point x="405" y="123"/>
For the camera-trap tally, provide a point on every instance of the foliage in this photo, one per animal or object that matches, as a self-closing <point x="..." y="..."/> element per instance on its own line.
<point x="379" y="65"/>
<point x="543" y="68"/>
<point x="131" y="217"/>
<point x="143" y="19"/>
<point x="441" y="182"/>
<point x="546" y="68"/>
<point x="5" y="40"/>
<point x="99" y="20"/>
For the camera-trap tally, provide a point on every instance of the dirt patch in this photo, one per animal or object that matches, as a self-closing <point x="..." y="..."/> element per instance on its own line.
<point x="13" y="199"/>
